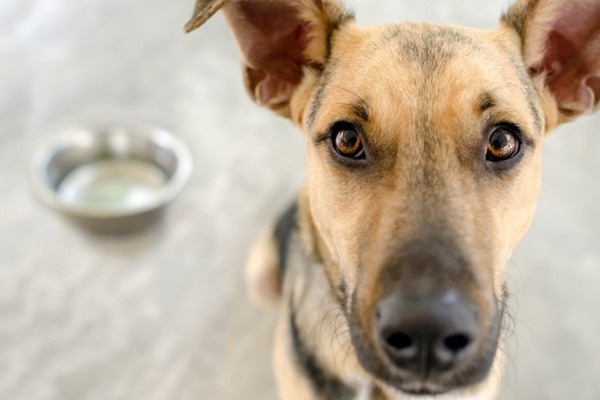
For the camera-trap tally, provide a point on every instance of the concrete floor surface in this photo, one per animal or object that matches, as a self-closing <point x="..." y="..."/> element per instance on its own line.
<point x="163" y="314"/>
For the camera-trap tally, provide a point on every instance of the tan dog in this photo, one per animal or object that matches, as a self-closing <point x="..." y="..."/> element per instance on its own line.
<point x="423" y="152"/>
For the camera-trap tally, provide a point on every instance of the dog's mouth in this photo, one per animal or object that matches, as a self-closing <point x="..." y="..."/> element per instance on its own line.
<point x="470" y="372"/>
<point x="421" y="389"/>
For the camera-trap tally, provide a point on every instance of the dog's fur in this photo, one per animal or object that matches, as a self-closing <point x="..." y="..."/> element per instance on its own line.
<point x="425" y="208"/>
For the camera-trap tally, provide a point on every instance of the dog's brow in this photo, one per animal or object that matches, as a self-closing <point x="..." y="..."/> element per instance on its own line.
<point x="361" y="110"/>
<point x="486" y="101"/>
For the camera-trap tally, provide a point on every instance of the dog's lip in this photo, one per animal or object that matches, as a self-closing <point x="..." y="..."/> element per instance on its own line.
<point x="423" y="392"/>
<point x="422" y="388"/>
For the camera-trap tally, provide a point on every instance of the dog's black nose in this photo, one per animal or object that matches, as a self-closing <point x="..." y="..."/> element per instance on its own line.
<point x="427" y="334"/>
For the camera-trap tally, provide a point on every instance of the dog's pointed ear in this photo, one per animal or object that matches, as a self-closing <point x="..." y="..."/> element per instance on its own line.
<point x="283" y="44"/>
<point x="203" y="10"/>
<point x="561" y="45"/>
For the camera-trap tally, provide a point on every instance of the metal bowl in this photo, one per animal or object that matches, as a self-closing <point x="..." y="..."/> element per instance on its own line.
<point x="111" y="179"/>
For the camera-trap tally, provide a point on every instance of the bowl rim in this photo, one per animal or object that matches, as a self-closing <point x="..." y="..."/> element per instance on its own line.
<point x="165" y="194"/>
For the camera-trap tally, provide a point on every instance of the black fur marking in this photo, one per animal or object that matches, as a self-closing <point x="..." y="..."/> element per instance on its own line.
<point x="337" y="22"/>
<point x="486" y="101"/>
<point x="361" y="110"/>
<point x="287" y="224"/>
<point x="324" y="385"/>
<point x="342" y="293"/>
<point x="530" y="93"/>
<point x="358" y="109"/>
<point x="433" y="47"/>
<point x="518" y="17"/>
<point x="316" y="102"/>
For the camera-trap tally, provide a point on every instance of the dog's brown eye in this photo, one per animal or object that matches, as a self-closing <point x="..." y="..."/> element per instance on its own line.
<point x="347" y="143"/>
<point x="503" y="145"/>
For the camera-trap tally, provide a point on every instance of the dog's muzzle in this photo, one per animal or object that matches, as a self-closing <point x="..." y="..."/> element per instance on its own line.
<point x="434" y="326"/>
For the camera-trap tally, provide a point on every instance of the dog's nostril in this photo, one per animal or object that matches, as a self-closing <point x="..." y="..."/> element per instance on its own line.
<point x="400" y="341"/>
<point x="457" y="342"/>
<point x="452" y="348"/>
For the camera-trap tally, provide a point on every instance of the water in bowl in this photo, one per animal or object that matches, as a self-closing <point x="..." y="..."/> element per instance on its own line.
<point x="112" y="184"/>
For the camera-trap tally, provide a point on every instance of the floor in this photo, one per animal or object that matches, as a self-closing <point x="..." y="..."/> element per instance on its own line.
<point x="163" y="314"/>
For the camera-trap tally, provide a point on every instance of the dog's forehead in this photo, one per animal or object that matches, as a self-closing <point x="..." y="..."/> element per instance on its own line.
<point x="406" y="53"/>
<point x="428" y="46"/>
<point x="413" y="69"/>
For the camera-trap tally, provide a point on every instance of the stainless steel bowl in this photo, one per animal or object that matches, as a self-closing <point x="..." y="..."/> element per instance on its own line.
<point x="111" y="179"/>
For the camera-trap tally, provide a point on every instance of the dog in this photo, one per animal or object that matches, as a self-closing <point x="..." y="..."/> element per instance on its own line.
<point x="423" y="145"/>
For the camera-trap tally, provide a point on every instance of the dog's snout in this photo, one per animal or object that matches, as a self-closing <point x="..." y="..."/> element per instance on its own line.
<point x="424" y="335"/>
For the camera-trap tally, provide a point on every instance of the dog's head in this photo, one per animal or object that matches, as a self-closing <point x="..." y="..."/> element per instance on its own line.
<point x="423" y="153"/>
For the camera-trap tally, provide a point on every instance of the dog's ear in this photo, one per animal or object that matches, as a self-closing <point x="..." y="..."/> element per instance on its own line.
<point x="561" y="45"/>
<point x="203" y="10"/>
<point x="283" y="44"/>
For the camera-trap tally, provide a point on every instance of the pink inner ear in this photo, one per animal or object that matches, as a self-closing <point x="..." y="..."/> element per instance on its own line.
<point x="572" y="57"/>
<point x="272" y="39"/>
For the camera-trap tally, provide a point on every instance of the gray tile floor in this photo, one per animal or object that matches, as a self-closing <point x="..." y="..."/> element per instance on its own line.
<point x="163" y="314"/>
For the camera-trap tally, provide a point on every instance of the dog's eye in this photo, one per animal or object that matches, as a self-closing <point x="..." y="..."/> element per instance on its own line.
<point x="503" y="145"/>
<point x="347" y="143"/>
